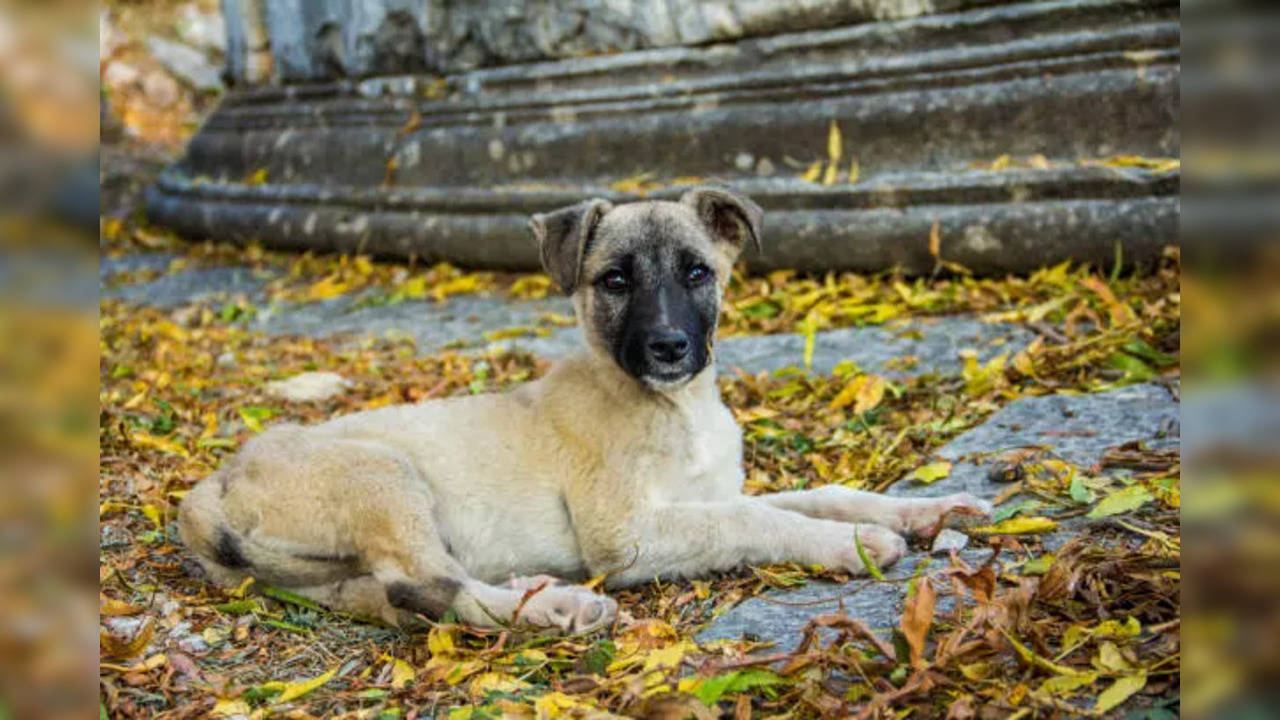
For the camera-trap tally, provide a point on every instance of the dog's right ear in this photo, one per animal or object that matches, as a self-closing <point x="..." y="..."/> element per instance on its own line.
<point x="562" y="237"/>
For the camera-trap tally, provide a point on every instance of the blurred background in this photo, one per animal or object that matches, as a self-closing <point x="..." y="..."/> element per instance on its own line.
<point x="164" y="67"/>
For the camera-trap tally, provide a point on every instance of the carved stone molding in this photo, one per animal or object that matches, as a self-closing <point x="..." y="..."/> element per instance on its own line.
<point x="449" y="168"/>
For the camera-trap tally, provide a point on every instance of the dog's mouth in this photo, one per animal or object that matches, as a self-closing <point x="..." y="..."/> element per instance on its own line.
<point x="668" y="377"/>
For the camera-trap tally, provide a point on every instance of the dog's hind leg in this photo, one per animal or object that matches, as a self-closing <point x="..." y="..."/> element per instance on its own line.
<point x="904" y="515"/>
<point x="340" y="518"/>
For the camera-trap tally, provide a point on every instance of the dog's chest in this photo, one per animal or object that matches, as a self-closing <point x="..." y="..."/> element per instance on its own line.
<point x="701" y="459"/>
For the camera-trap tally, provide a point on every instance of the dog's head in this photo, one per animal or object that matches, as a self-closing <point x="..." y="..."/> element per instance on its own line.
<point x="647" y="277"/>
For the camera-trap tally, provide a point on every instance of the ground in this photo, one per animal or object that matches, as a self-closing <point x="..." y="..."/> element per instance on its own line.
<point x="1056" y="395"/>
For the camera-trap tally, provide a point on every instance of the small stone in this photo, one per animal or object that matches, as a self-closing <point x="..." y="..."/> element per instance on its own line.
<point x="948" y="540"/>
<point x="160" y="89"/>
<point x="119" y="74"/>
<point x="309" y="386"/>
<point x="764" y="168"/>
<point x="226" y="360"/>
<point x="744" y="161"/>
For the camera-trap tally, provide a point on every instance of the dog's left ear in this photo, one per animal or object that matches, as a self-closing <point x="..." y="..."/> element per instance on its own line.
<point x="729" y="217"/>
<point x="562" y="237"/>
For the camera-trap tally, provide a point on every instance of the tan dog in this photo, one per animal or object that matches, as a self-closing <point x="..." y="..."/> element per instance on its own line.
<point x="622" y="460"/>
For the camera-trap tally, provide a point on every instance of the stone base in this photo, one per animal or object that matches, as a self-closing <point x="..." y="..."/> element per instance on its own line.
<point x="408" y="166"/>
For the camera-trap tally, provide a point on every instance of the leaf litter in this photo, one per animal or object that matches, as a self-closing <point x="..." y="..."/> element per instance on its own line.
<point x="1087" y="629"/>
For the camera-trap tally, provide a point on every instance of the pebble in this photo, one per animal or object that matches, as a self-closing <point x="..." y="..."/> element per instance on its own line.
<point x="948" y="540"/>
<point x="309" y="386"/>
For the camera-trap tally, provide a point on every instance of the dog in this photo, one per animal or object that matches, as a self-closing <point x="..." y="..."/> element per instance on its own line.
<point x="622" y="461"/>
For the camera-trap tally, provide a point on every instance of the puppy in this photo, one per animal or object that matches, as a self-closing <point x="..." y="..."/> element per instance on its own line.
<point x="622" y="460"/>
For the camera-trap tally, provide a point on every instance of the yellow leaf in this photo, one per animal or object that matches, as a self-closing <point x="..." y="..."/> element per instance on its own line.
<point x="809" y="327"/>
<point x="1001" y="162"/>
<point x="1018" y="526"/>
<point x="935" y="239"/>
<point x="834" y="143"/>
<point x="982" y="379"/>
<point x="401" y="672"/>
<point x="864" y="391"/>
<point x="157" y="443"/>
<point x="492" y="682"/>
<point x="595" y="581"/>
<point x="811" y="175"/>
<point x="829" y="177"/>
<point x="1114" y="628"/>
<point x="931" y="473"/>
<point x="154" y="514"/>
<point x="1033" y="659"/>
<point x="854" y="170"/>
<point x="1122" y="690"/>
<point x="259" y="177"/>
<point x="440" y="641"/>
<point x="457" y="286"/>
<point x="296" y="690"/>
<point x="557" y="704"/>
<point x="1066" y="684"/>
<point x="227" y="707"/>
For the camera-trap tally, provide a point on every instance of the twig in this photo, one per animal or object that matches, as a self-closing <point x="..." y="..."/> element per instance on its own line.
<point x="1049" y="332"/>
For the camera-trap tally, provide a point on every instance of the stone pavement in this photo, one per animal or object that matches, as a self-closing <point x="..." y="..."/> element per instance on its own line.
<point x="1074" y="428"/>
<point x="463" y="320"/>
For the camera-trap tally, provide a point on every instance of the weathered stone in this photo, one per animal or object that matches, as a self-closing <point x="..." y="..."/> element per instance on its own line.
<point x="221" y="283"/>
<point x="922" y="103"/>
<point x="187" y="63"/>
<point x="201" y="29"/>
<point x="779" y="616"/>
<point x="1075" y="428"/>
<point x="920" y="347"/>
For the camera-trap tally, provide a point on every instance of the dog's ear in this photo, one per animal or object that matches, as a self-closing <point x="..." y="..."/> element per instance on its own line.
<point x="729" y="217"/>
<point x="562" y="237"/>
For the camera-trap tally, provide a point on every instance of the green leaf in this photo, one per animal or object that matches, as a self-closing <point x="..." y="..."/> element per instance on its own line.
<point x="288" y="597"/>
<point x="237" y="607"/>
<point x="872" y="569"/>
<point x="1134" y="368"/>
<point x="1139" y="348"/>
<point x="1079" y="491"/>
<point x="1123" y="500"/>
<point x="735" y="682"/>
<point x="1122" y="690"/>
<point x="1007" y="511"/>
<point x="1038" y="566"/>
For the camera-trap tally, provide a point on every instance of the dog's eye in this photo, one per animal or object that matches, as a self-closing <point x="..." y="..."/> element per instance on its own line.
<point x="614" y="281"/>
<point x="699" y="274"/>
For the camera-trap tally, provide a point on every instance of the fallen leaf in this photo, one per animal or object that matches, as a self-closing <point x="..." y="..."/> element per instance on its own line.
<point x="1121" y="690"/>
<point x="917" y="618"/>
<point x="931" y="473"/>
<point x="296" y="690"/>
<point x="1122" y="500"/>
<point x="1017" y="526"/>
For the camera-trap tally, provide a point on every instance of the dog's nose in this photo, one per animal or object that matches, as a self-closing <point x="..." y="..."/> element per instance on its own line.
<point x="668" y="345"/>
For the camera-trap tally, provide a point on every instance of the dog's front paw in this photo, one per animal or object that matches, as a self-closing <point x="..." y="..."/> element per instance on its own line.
<point x="928" y="515"/>
<point x="568" y="608"/>
<point x="882" y="546"/>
